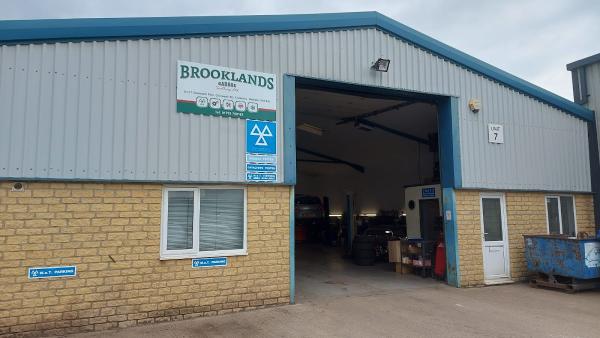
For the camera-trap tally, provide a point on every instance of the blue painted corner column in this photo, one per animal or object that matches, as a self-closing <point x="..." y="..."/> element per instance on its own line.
<point x="450" y="170"/>
<point x="289" y="130"/>
<point x="289" y="166"/>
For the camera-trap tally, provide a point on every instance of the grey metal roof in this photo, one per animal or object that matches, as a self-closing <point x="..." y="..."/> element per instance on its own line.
<point x="584" y="62"/>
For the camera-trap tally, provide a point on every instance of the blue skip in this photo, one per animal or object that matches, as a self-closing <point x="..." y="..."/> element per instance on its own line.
<point x="563" y="262"/>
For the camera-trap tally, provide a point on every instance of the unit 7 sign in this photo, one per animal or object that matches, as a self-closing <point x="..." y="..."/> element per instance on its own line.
<point x="495" y="133"/>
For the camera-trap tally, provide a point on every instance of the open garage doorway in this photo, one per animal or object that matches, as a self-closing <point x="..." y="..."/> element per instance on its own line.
<point x="368" y="182"/>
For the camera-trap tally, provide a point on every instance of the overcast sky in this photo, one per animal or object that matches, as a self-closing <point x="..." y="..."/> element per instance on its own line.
<point x="529" y="38"/>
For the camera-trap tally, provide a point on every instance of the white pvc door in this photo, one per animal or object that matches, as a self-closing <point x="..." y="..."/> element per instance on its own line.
<point x="493" y="233"/>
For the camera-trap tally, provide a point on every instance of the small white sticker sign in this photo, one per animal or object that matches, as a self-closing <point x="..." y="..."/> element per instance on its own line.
<point x="495" y="133"/>
<point x="448" y="215"/>
<point x="592" y="254"/>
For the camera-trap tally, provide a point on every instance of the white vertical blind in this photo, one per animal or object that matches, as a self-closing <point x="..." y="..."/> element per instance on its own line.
<point x="180" y="221"/>
<point x="221" y="219"/>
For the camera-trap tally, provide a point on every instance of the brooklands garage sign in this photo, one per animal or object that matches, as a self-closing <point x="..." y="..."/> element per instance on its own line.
<point x="228" y="92"/>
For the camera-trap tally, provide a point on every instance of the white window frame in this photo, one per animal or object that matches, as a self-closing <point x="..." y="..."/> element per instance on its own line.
<point x="194" y="252"/>
<point x="560" y="225"/>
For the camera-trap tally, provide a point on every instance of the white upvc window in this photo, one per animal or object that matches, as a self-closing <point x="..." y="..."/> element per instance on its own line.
<point x="204" y="221"/>
<point x="560" y="215"/>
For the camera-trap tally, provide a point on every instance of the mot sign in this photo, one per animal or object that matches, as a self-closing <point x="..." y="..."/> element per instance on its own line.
<point x="495" y="133"/>
<point x="261" y="151"/>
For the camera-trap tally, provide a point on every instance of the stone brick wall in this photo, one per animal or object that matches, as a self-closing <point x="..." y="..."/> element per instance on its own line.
<point x="525" y="213"/>
<point x="468" y="225"/>
<point x="111" y="232"/>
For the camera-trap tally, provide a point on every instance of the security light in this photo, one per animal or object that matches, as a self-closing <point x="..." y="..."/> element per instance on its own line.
<point x="381" y="65"/>
<point x="475" y="105"/>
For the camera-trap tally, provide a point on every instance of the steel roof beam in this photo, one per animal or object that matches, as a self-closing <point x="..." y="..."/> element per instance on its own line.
<point x="393" y="131"/>
<point x="375" y="112"/>
<point x="354" y="166"/>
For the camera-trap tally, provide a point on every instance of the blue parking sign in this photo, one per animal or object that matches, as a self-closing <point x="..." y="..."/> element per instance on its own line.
<point x="261" y="137"/>
<point x="209" y="262"/>
<point x="52" y="271"/>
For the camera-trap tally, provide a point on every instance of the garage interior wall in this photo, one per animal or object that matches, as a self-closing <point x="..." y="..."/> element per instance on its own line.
<point x="390" y="161"/>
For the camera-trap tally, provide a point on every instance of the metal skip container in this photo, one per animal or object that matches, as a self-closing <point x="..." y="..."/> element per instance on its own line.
<point x="565" y="262"/>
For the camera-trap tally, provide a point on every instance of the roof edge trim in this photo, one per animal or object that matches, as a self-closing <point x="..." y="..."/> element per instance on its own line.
<point x="55" y="30"/>
<point x="584" y="62"/>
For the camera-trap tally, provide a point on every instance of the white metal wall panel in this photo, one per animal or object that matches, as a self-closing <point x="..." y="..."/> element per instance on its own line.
<point x="106" y="110"/>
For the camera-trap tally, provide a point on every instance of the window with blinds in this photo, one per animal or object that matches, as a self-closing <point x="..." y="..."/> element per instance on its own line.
<point x="203" y="222"/>
<point x="560" y="215"/>
<point x="180" y="220"/>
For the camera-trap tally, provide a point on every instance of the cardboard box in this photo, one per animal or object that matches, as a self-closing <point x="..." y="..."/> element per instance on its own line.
<point x="414" y="249"/>
<point x="402" y="268"/>
<point x="422" y="262"/>
<point x="394" y="251"/>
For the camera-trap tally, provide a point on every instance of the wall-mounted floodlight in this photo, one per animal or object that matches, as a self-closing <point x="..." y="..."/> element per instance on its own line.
<point x="475" y="105"/>
<point x="381" y="65"/>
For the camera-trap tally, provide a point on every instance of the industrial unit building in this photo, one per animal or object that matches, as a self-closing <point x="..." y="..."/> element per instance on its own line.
<point x="586" y="82"/>
<point x="149" y="166"/>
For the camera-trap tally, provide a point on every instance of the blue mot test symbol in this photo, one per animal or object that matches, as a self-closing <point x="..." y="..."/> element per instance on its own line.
<point x="261" y="137"/>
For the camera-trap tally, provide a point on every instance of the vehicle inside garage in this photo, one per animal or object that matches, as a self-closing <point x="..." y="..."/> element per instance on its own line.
<point x="368" y="195"/>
